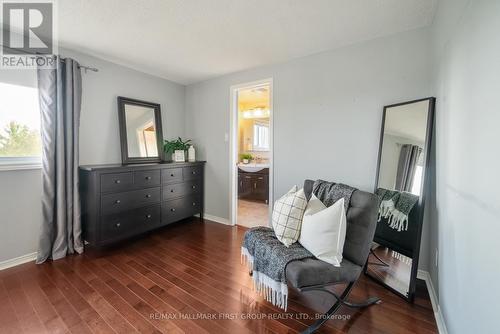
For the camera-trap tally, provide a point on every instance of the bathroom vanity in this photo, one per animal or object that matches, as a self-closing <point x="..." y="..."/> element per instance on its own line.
<point x="253" y="182"/>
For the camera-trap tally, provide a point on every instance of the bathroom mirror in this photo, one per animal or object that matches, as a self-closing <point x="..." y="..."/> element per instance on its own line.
<point x="140" y="131"/>
<point x="401" y="184"/>
<point x="254" y="134"/>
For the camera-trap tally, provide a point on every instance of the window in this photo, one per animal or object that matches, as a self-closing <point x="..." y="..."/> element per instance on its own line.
<point x="20" y="143"/>
<point x="417" y="181"/>
<point x="260" y="137"/>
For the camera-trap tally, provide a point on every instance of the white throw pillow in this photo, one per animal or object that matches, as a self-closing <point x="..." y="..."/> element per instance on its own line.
<point x="323" y="230"/>
<point x="287" y="215"/>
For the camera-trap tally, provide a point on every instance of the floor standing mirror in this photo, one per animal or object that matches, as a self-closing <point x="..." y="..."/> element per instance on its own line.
<point x="401" y="184"/>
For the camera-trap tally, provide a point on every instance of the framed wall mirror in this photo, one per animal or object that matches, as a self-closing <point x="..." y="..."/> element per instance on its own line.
<point x="401" y="184"/>
<point x="140" y="131"/>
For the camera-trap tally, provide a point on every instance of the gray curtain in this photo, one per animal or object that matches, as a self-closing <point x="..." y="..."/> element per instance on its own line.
<point x="408" y="160"/>
<point x="60" y="92"/>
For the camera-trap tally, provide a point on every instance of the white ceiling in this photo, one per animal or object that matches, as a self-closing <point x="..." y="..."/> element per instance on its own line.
<point x="188" y="41"/>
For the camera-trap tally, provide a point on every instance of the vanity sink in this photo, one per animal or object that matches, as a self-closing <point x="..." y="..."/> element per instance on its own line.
<point x="252" y="167"/>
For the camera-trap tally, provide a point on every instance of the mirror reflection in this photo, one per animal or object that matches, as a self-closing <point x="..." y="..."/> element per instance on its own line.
<point x="141" y="131"/>
<point x="401" y="163"/>
<point x="394" y="254"/>
<point x="254" y="135"/>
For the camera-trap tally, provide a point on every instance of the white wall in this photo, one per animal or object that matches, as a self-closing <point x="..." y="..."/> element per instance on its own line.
<point x="20" y="205"/>
<point x="20" y="191"/>
<point x="466" y="215"/>
<point x="327" y="113"/>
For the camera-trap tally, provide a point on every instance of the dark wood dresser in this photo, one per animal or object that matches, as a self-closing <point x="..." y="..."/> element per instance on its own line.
<point x="121" y="201"/>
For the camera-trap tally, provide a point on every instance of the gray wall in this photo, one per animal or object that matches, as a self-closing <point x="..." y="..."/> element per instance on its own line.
<point x="20" y="191"/>
<point x="465" y="218"/>
<point x="99" y="133"/>
<point x="327" y="113"/>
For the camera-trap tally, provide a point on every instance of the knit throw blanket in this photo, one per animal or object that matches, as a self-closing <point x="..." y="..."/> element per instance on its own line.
<point x="395" y="206"/>
<point x="329" y="192"/>
<point x="266" y="258"/>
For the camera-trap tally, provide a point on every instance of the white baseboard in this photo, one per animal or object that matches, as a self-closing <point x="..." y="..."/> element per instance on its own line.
<point x="216" y="219"/>
<point x="17" y="261"/>
<point x="424" y="275"/>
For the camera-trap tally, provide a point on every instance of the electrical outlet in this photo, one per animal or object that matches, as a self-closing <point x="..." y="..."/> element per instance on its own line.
<point x="437" y="257"/>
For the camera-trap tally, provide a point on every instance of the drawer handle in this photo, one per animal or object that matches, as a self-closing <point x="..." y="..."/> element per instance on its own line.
<point x="148" y="196"/>
<point x="261" y="178"/>
<point x="171" y="190"/>
<point x="148" y="177"/>
<point x="173" y="210"/>
<point x="148" y="216"/>
<point x="172" y="175"/>
<point x="117" y="201"/>
<point x="117" y="181"/>
<point x="194" y="203"/>
<point x="248" y="177"/>
<point x="118" y="224"/>
<point x="194" y="187"/>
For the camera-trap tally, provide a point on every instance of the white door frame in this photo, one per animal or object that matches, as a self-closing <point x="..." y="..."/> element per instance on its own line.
<point x="233" y="146"/>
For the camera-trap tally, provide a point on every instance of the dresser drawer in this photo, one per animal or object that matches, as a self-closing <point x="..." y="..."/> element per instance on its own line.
<point x="192" y="173"/>
<point x="147" y="178"/>
<point x="123" y="224"/>
<point x="116" y="181"/>
<point x="171" y="175"/>
<point x="177" y="209"/>
<point x="180" y="189"/>
<point x="117" y="202"/>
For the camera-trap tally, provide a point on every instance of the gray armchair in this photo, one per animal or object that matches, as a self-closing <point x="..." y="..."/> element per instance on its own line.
<point x="313" y="274"/>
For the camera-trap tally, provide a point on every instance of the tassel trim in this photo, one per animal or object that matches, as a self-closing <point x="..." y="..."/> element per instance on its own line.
<point x="401" y="257"/>
<point x="273" y="291"/>
<point x="396" y="219"/>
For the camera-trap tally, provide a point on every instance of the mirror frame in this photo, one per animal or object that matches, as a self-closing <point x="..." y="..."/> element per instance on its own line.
<point x="410" y="296"/>
<point x="122" y="102"/>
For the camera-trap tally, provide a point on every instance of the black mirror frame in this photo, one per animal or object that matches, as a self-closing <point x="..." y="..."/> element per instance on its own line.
<point x="122" y="101"/>
<point x="410" y="296"/>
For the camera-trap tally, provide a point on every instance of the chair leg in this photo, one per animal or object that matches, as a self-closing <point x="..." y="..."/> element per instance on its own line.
<point x="325" y="317"/>
<point x="382" y="263"/>
<point x="341" y="300"/>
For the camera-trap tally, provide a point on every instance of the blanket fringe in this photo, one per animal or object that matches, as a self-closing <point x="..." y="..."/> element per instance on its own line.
<point x="401" y="257"/>
<point x="396" y="219"/>
<point x="273" y="291"/>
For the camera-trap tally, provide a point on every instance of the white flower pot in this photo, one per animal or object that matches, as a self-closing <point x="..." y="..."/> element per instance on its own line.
<point x="179" y="156"/>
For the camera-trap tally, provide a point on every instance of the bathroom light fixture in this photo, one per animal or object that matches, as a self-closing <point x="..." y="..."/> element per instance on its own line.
<point x="256" y="113"/>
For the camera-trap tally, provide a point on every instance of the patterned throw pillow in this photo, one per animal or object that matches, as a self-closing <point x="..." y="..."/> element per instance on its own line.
<point x="287" y="216"/>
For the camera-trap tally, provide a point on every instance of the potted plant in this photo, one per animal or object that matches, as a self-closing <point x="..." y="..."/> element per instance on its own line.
<point x="177" y="148"/>
<point x="246" y="158"/>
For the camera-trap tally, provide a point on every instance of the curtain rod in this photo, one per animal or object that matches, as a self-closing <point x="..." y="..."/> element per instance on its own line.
<point x="86" y="68"/>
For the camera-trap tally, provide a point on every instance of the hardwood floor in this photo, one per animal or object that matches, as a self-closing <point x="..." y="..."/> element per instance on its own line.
<point x="185" y="278"/>
<point x="396" y="274"/>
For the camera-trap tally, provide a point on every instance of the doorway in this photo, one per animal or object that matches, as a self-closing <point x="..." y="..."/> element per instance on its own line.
<point x="251" y="153"/>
